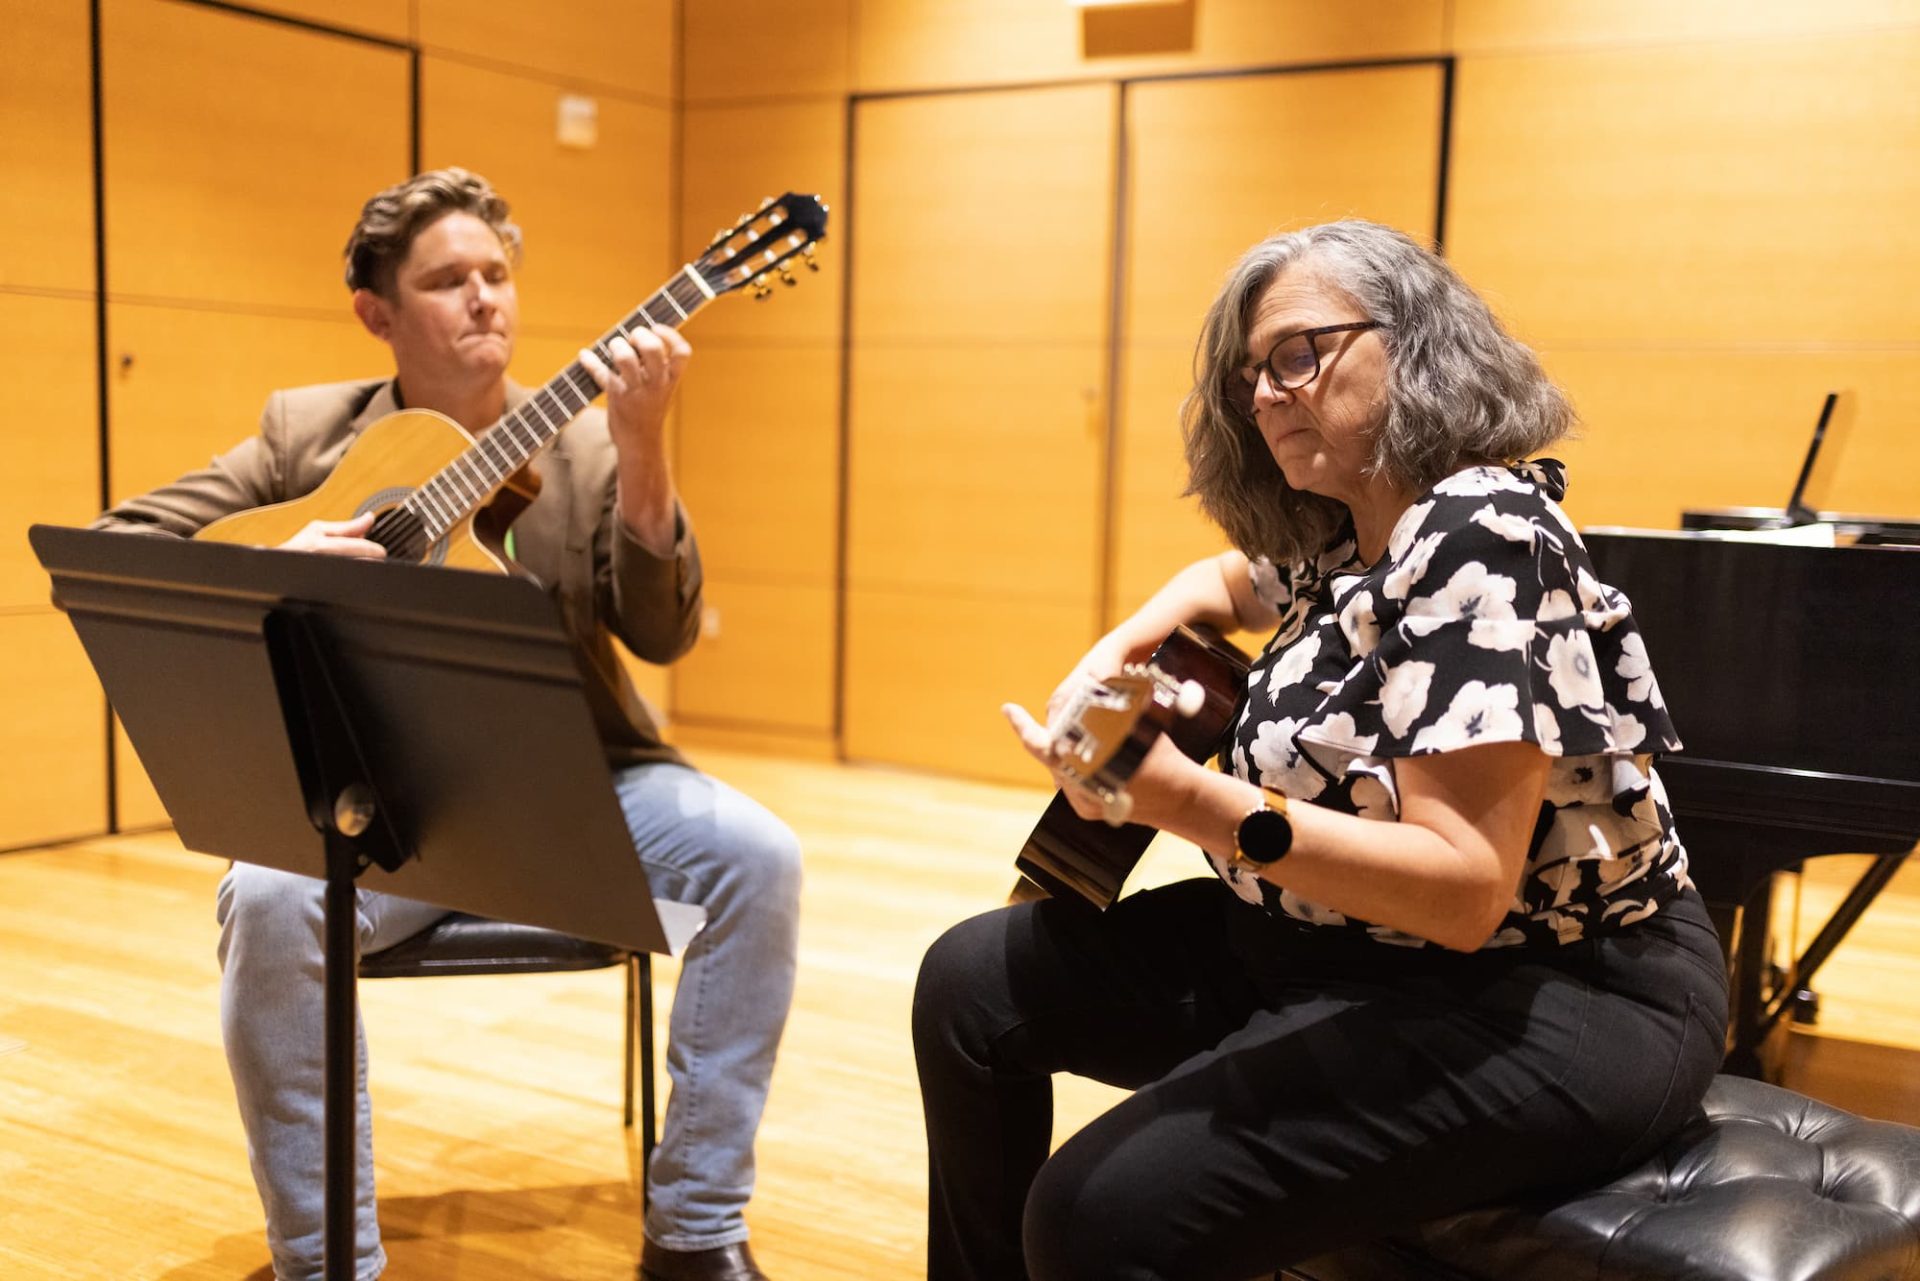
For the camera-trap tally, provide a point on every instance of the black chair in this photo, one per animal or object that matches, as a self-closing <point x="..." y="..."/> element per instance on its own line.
<point x="463" y="944"/>
<point x="1763" y="1185"/>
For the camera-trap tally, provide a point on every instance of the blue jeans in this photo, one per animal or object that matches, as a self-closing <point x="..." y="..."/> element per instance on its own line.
<point x="702" y="842"/>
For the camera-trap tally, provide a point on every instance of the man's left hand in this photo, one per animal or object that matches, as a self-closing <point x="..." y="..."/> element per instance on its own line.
<point x="647" y="365"/>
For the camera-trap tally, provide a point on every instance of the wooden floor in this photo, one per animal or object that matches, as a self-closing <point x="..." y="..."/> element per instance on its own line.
<point x="496" y="1100"/>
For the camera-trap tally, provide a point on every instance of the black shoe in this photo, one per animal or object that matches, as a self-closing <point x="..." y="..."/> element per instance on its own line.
<point x="723" y="1263"/>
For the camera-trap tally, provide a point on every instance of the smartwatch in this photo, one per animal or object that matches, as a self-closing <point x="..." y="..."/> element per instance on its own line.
<point x="1265" y="834"/>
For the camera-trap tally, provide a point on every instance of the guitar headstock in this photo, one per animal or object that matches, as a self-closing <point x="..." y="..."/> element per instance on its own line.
<point x="1106" y="728"/>
<point x="763" y="243"/>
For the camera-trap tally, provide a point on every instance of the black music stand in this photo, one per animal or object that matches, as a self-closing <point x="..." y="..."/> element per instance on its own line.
<point x="422" y="730"/>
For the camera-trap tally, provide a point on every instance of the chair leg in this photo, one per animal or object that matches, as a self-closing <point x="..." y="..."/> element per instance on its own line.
<point x="643" y="965"/>
<point x="633" y="1014"/>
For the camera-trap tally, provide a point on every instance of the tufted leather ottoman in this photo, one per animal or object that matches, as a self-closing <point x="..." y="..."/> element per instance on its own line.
<point x="1767" y="1184"/>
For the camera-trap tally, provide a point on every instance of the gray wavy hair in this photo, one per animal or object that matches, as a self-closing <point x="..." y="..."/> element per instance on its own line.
<point x="1460" y="390"/>
<point x="391" y="219"/>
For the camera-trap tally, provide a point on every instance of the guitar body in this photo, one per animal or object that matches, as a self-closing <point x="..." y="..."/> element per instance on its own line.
<point x="1069" y="855"/>
<point x="392" y="458"/>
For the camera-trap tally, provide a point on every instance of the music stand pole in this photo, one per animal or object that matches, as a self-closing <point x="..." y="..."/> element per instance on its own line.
<point x="342" y="803"/>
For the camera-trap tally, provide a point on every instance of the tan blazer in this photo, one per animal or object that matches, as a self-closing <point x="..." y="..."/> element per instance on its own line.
<point x="570" y="538"/>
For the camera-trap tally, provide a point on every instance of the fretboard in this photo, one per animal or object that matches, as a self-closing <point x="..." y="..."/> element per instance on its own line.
<point x="464" y="485"/>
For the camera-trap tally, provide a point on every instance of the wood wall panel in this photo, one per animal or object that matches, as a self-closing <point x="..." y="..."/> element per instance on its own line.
<point x="758" y="460"/>
<point x="735" y="157"/>
<point x="921" y="44"/>
<point x="1667" y="430"/>
<point x="51" y="432"/>
<point x="1005" y="240"/>
<point x="389" y="19"/>
<point x="976" y="410"/>
<point x="1375" y="136"/>
<point x="765" y="657"/>
<point x="1497" y="26"/>
<point x="53" y="756"/>
<point x="1752" y="193"/>
<point x="628" y="44"/>
<point x="238" y="152"/>
<point x="766" y="48"/>
<point x="758" y="433"/>
<point x="46" y="147"/>
<point x="595" y="220"/>
<point x="1156" y="530"/>
<point x="977" y="471"/>
<point x="927" y="673"/>
<point x="186" y="384"/>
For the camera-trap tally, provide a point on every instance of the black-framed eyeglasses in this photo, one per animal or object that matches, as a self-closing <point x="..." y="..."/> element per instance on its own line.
<point x="1294" y="361"/>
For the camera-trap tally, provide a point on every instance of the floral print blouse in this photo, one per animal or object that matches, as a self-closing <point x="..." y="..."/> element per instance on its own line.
<point x="1483" y="623"/>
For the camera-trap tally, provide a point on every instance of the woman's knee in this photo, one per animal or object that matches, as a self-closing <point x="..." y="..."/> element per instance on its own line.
<point x="1072" y="1231"/>
<point x="955" y="975"/>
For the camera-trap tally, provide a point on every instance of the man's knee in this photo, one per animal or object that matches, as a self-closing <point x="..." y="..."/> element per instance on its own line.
<point x="768" y="861"/>
<point x="267" y="904"/>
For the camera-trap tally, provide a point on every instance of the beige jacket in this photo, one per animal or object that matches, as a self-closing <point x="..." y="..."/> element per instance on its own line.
<point x="570" y="539"/>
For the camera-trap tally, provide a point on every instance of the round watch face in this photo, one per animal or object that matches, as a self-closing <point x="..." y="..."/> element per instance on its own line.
<point x="1265" y="835"/>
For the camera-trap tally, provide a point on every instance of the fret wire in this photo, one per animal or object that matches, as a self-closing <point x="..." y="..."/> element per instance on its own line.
<point x="582" y="382"/>
<point x="565" y="381"/>
<point x="430" y="500"/>
<point x="458" y="480"/>
<point x="498" y="460"/>
<point x="457" y="496"/>
<point x="696" y="300"/>
<point x="560" y="405"/>
<point x="534" y="410"/>
<point x="510" y="431"/>
<point x="432" y="519"/>
<point x="497" y="445"/>
<point x="482" y="477"/>
<point x="700" y="284"/>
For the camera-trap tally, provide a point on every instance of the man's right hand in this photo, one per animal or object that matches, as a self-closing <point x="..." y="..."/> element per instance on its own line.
<point x="337" y="538"/>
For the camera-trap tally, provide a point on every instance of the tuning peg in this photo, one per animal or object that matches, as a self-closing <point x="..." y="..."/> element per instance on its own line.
<point x="761" y="289"/>
<point x="811" y="264"/>
<point x="767" y="203"/>
<point x="786" y="276"/>
<point x="723" y="235"/>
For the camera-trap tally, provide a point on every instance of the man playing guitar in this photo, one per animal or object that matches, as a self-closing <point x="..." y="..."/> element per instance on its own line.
<point x="431" y="267"/>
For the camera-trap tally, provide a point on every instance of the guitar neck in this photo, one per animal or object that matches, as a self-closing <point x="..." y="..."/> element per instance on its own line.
<point x="465" y="485"/>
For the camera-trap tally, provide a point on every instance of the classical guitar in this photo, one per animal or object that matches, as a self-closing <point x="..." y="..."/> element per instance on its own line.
<point x="445" y="497"/>
<point x="1190" y="689"/>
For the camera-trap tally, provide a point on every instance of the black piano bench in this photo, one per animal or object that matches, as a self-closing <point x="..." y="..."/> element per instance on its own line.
<point x="1767" y="1185"/>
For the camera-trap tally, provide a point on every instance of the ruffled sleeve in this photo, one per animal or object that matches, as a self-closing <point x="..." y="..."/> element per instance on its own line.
<point x="1484" y="623"/>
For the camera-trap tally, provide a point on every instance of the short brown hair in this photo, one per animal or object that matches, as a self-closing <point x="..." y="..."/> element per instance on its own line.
<point x="391" y="219"/>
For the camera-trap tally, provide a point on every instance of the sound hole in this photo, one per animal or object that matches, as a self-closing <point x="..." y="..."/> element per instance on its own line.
<point x="400" y="532"/>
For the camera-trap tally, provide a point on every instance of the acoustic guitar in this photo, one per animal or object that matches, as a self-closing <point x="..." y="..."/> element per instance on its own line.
<point x="445" y="497"/>
<point x="1191" y="689"/>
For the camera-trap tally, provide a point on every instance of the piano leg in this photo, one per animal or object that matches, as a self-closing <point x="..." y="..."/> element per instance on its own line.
<point x="1754" y="1049"/>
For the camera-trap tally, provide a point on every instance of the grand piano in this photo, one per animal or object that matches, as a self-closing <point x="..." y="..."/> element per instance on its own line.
<point x="1793" y="676"/>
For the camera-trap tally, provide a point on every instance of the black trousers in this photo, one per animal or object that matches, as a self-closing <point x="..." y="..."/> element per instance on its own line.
<point x="1292" y="1092"/>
